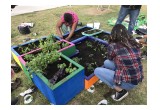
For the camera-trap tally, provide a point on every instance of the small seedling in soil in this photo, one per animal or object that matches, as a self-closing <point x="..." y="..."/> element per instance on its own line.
<point x="76" y="59"/>
<point x="70" y="69"/>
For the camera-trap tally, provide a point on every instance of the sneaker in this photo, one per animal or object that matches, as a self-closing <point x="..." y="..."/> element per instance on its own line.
<point x="120" y="95"/>
<point x="103" y="102"/>
<point x="29" y="91"/>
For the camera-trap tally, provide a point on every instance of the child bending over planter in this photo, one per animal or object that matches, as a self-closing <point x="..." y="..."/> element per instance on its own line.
<point x="67" y="23"/>
<point x="123" y="69"/>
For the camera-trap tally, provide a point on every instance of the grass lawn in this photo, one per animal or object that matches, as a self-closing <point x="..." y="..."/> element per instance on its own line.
<point x="44" y="25"/>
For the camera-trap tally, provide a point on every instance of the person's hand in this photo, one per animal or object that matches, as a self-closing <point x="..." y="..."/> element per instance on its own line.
<point x="61" y="37"/>
<point x="67" y="38"/>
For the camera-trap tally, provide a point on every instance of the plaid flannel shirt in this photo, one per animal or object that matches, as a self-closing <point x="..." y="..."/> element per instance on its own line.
<point x="128" y="63"/>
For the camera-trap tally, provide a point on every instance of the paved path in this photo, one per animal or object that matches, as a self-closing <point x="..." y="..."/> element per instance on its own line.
<point x="27" y="9"/>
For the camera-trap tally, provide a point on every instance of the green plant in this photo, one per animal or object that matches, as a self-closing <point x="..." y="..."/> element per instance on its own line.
<point x="70" y="69"/>
<point x="48" y="45"/>
<point x="24" y="50"/>
<point x="88" y="44"/>
<point x="64" y="44"/>
<point x="90" y="67"/>
<point x="76" y="59"/>
<point x="96" y="36"/>
<point x="48" y="54"/>
<point x="40" y="62"/>
<point x="29" y="57"/>
<point x="60" y="66"/>
<point x="102" y="47"/>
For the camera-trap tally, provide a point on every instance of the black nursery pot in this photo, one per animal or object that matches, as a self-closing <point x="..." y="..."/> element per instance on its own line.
<point x="24" y="29"/>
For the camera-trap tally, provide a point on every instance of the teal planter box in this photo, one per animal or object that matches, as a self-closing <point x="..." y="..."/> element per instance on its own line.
<point x="63" y="91"/>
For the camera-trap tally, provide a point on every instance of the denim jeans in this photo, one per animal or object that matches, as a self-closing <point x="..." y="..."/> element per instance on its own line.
<point x="107" y="75"/>
<point x="133" y="14"/>
<point x="65" y="29"/>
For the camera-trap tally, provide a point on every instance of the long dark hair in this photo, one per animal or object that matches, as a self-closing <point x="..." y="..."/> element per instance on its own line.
<point x="68" y="18"/>
<point x="119" y="34"/>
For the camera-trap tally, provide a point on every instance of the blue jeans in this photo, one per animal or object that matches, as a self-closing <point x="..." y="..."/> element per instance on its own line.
<point x="133" y="14"/>
<point x="107" y="75"/>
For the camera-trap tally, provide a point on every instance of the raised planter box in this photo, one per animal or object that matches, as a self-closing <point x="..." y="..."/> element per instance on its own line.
<point x="16" y="52"/>
<point x="68" y="50"/>
<point x="91" y="57"/>
<point x="64" y="90"/>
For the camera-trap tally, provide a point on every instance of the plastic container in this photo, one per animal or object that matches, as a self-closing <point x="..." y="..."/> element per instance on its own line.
<point x="92" y="32"/>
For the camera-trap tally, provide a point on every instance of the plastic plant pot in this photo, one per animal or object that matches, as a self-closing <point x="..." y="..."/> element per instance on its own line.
<point x="91" y="32"/>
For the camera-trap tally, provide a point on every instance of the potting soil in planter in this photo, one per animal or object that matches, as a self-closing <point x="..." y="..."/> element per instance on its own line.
<point x="92" y="54"/>
<point x="55" y="74"/>
<point x="78" y="33"/>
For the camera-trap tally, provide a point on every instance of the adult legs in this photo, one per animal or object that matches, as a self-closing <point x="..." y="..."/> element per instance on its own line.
<point x="122" y="14"/>
<point x="133" y="17"/>
<point x="107" y="76"/>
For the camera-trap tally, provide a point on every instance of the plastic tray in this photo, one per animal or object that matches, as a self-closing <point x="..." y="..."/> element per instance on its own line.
<point x="91" y="32"/>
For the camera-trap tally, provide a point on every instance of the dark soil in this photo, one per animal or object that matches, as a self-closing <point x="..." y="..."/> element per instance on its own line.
<point x="52" y="72"/>
<point x="90" y="56"/>
<point x="103" y="36"/>
<point x="78" y="34"/>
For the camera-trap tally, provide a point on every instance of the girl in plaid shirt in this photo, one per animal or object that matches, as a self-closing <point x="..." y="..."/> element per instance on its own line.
<point x="123" y="69"/>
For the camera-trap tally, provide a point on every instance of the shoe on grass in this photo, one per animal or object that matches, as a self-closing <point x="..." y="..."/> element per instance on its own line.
<point x="118" y="96"/>
<point x="29" y="91"/>
<point x="103" y="102"/>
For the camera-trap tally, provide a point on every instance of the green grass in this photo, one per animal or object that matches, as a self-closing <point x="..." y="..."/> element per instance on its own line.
<point x="45" y="22"/>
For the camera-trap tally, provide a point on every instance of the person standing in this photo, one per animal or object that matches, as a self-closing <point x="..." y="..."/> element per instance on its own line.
<point x="123" y="69"/>
<point x="67" y="23"/>
<point x="133" y="12"/>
